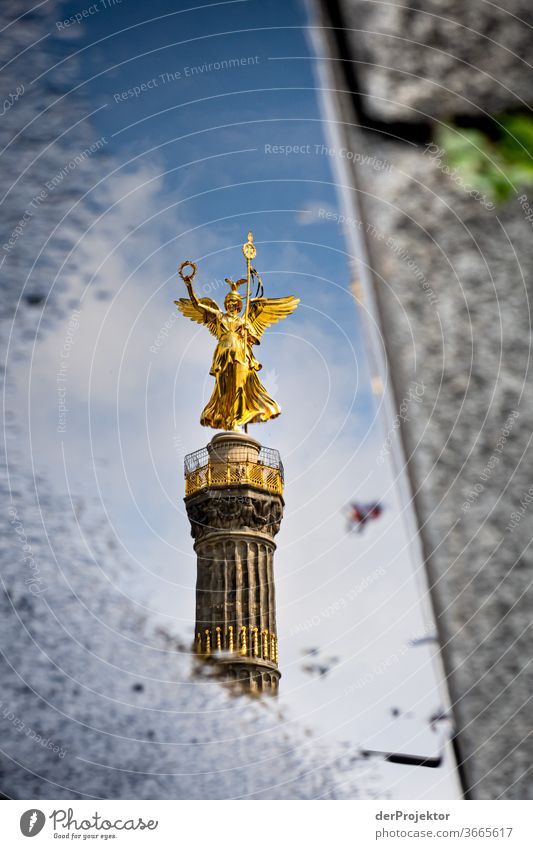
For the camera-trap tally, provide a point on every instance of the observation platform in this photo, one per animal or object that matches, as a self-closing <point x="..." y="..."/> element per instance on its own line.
<point x="233" y="459"/>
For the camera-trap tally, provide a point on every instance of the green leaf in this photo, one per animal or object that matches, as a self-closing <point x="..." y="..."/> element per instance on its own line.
<point x="517" y="137"/>
<point x="495" y="168"/>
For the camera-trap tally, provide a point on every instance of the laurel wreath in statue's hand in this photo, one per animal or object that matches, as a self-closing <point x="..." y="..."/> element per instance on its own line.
<point x="187" y="278"/>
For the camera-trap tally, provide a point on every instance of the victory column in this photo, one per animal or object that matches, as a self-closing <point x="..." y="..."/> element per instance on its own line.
<point x="234" y="489"/>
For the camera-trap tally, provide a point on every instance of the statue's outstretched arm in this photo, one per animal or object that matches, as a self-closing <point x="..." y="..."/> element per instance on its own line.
<point x="200" y="310"/>
<point x="197" y="303"/>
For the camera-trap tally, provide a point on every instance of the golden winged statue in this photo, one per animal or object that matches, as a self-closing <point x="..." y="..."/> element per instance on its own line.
<point x="239" y="398"/>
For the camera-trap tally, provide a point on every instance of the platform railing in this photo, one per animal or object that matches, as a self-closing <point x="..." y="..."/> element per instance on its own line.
<point x="201" y="471"/>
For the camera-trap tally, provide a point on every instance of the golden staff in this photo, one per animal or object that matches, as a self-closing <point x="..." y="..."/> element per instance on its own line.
<point x="250" y="252"/>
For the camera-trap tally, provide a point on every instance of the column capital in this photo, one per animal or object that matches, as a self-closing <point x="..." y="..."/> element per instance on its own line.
<point x="240" y="509"/>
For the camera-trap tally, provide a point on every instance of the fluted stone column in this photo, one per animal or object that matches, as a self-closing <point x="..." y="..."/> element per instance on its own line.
<point x="235" y="506"/>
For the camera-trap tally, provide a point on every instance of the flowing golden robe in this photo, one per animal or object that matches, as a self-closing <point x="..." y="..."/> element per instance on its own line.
<point x="238" y="397"/>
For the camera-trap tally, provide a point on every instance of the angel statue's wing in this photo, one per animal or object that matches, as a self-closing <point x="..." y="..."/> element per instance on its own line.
<point x="196" y="313"/>
<point x="266" y="311"/>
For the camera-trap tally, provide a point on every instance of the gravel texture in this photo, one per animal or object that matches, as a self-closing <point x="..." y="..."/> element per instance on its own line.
<point x="440" y="57"/>
<point x="454" y="282"/>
